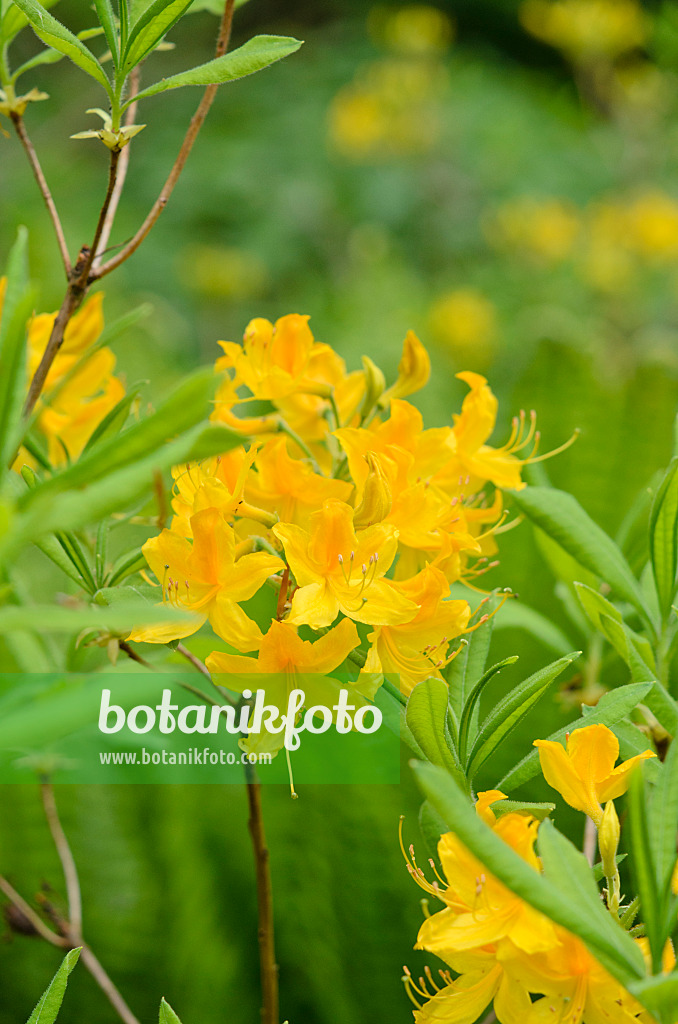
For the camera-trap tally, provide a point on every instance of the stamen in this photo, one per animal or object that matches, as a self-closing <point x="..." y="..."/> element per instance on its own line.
<point x="556" y="451"/>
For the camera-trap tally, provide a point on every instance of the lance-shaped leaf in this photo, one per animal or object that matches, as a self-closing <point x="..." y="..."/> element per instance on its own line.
<point x="255" y="55"/>
<point x="585" y="917"/>
<point x="506" y="715"/>
<point x="56" y="35"/>
<point x="643" y="867"/>
<point x="659" y="995"/>
<point x="469" y="664"/>
<point x="613" y="707"/>
<point x="633" y="648"/>
<point x="561" y="516"/>
<point x="663" y="822"/>
<point x="15" y="310"/>
<point x="426" y="718"/>
<point x="13" y="20"/>
<point x="469" y="715"/>
<point x="48" y="1008"/>
<point x="106" y="15"/>
<point x="664" y="538"/>
<point x="167" y="1014"/>
<point x="149" y="28"/>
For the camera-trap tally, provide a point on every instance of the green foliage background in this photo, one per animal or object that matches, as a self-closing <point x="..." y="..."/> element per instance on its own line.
<point x="364" y="246"/>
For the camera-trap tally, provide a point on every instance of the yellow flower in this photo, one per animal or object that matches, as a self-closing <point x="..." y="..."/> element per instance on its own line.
<point x="464" y="321"/>
<point x="417" y="649"/>
<point x="285" y="662"/>
<point x="544" y="229"/>
<point x="273" y="358"/>
<point x="218" y="482"/>
<point x="206" y="578"/>
<point x="587" y="28"/>
<point x="339" y="569"/>
<point x="414" y="370"/>
<point x="290" y="487"/>
<point x="584" y="773"/>
<point x="473" y="427"/>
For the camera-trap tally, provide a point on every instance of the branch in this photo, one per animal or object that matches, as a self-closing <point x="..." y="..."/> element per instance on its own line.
<point x="107" y="987"/>
<point x="20" y="128"/>
<point x="67" y="863"/>
<point x="36" y="922"/>
<point x="195" y="662"/>
<point x="78" y="284"/>
<point x="123" y="165"/>
<point x="269" y="968"/>
<point x="186" y="146"/>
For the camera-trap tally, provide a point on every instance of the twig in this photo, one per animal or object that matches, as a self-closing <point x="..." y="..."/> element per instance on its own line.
<point x="36" y="922"/>
<point x="269" y="968"/>
<point x="186" y="146"/>
<point x="67" y="863"/>
<point x="107" y="987"/>
<point x="76" y="291"/>
<point x="123" y="165"/>
<point x="195" y="662"/>
<point x="131" y="653"/>
<point x="20" y="128"/>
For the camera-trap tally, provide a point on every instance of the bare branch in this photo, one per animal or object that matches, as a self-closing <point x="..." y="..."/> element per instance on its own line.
<point x="270" y="1013"/>
<point x="123" y="165"/>
<point x="107" y="987"/>
<point x="20" y="128"/>
<point x="37" y="923"/>
<point x="67" y="863"/>
<point x="190" y="137"/>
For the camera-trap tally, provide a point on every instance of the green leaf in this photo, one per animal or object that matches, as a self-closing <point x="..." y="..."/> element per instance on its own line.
<point x="663" y="821"/>
<point x="186" y="406"/>
<point x="538" y="810"/>
<point x="106" y="15"/>
<point x="633" y="648"/>
<point x="432" y="827"/>
<point x="126" y="565"/>
<point x="255" y="55"/>
<point x="506" y="715"/>
<point x="663" y="707"/>
<point x="664" y="538"/>
<point x="14" y="21"/>
<point x="643" y="867"/>
<point x="78" y="508"/>
<point x="48" y="56"/>
<point x="54" y="34"/>
<point x="613" y="707"/>
<point x="561" y="516"/>
<point x="118" y="618"/>
<point x="470" y="663"/>
<point x="426" y="718"/>
<point x="465" y="730"/>
<point x="659" y="995"/>
<point x="15" y="312"/>
<point x="149" y="28"/>
<point x="592" y="923"/>
<point x="114" y="421"/>
<point x="47" y="1010"/>
<point x="167" y="1014"/>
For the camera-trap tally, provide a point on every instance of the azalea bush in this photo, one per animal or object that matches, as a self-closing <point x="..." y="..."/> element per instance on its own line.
<point x="289" y="522"/>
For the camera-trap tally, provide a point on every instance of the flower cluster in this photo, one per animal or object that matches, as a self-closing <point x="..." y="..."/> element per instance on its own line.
<point x="499" y="949"/>
<point x="356" y="516"/>
<point x="81" y="387"/>
<point x="585" y="29"/>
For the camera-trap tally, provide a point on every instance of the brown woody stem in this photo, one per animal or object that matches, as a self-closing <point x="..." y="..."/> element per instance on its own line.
<point x="67" y="863"/>
<point x="269" y="968"/>
<point x="186" y="146"/>
<point x="20" y="128"/>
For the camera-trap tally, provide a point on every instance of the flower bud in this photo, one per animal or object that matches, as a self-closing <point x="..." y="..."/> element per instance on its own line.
<point x="414" y="369"/>
<point x="608" y="839"/>
<point x="375" y="384"/>
<point x="377" y="497"/>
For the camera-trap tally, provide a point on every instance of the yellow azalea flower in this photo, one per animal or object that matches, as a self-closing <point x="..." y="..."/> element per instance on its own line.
<point x="585" y="29"/>
<point x="472" y="428"/>
<point x="574" y="986"/>
<point x="418" y="649"/>
<point x="273" y="359"/>
<point x="464" y="999"/>
<point x="584" y="773"/>
<point x="284" y="663"/>
<point x="206" y="578"/>
<point x="218" y="482"/>
<point x="80" y="390"/>
<point x="339" y="569"/>
<point x="290" y="487"/>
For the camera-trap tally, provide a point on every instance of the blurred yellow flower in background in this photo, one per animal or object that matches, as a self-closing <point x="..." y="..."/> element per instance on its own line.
<point x="546" y="229"/>
<point x="421" y="30"/>
<point x="464" y="321"/>
<point x="584" y="29"/>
